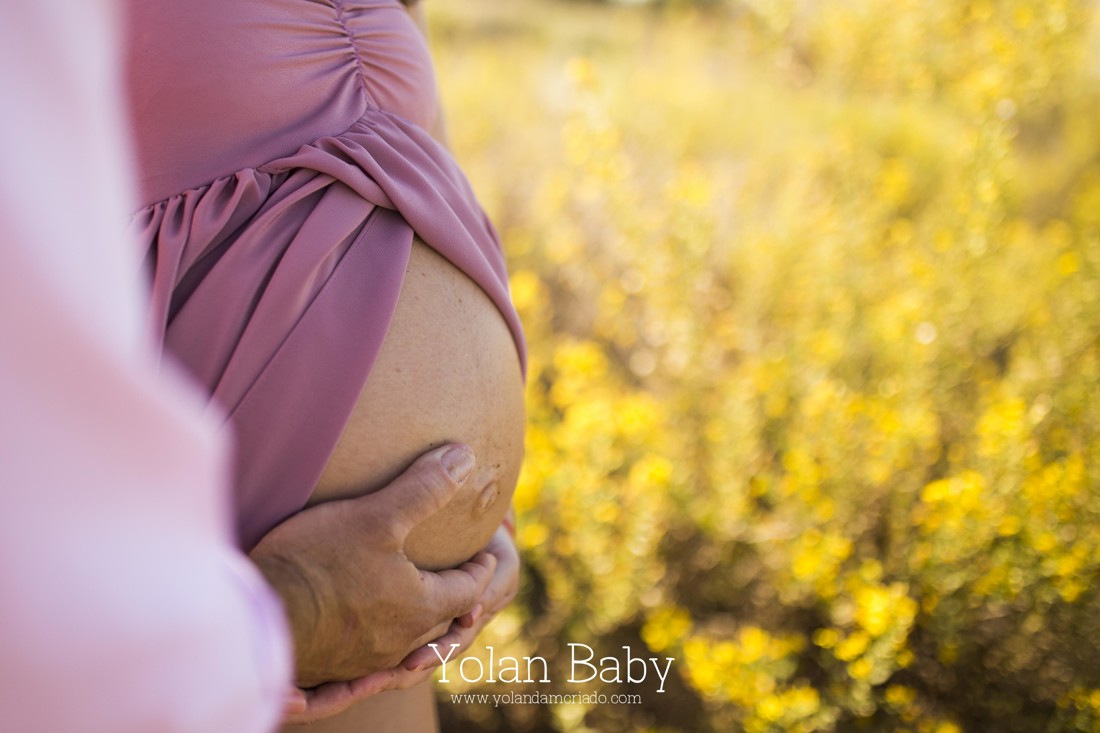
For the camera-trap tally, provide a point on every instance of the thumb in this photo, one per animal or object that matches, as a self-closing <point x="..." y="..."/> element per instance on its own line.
<point x="424" y="488"/>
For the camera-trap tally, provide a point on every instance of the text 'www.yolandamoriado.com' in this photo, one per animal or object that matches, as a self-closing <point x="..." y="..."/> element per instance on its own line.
<point x="543" y="698"/>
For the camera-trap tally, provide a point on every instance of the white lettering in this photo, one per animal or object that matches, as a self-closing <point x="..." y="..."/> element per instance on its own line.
<point x="585" y="662"/>
<point x="662" y="677"/>
<point x="545" y="670"/>
<point x="509" y="664"/>
<point x="613" y="668"/>
<point x="443" y="660"/>
<point x="480" y="669"/>
<point x="630" y="662"/>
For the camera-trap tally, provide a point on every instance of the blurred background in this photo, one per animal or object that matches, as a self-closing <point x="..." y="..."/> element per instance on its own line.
<point x="812" y="292"/>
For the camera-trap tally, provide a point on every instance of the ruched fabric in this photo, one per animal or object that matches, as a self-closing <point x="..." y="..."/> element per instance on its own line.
<point x="275" y="286"/>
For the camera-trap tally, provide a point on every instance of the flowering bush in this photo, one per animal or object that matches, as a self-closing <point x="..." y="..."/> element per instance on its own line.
<point x="812" y="292"/>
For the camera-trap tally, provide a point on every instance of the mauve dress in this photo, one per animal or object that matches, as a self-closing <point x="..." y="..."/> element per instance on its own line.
<point x="283" y="168"/>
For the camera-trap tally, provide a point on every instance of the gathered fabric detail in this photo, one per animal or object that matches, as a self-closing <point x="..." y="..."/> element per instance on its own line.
<point x="256" y="277"/>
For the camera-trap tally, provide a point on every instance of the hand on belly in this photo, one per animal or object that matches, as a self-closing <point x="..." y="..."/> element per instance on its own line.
<point x="448" y="371"/>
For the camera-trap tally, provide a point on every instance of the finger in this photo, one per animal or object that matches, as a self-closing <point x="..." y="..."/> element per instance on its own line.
<point x="295" y="702"/>
<point x="433" y="653"/>
<point x="437" y="631"/>
<point x="372" y="684"/>
<point x="467" y="620"/>
<point x="323" y="701"/>
<point x="405" y="678"/>
<point x="455" y="641"/>
<point x="454" y="592"/>
<point x="423" y="489"/>
<point x="498" y="594"/>
<point x="333" y="698"/>
<point x="505" y="583"/>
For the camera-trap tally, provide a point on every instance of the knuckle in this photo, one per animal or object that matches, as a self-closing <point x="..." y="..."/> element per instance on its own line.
<point x="435" y="486"/>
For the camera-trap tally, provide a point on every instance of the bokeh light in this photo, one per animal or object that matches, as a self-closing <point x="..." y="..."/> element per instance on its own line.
<point x="812" y="292"/>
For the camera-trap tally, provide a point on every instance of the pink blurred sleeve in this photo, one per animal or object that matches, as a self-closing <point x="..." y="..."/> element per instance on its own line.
<point x="124" y="605"/>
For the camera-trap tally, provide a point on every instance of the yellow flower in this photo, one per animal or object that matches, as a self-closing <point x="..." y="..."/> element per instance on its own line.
<point x="826" y="638"/>
<point x="1068" y="263"/>
<point x="900" y="696"/>
<point x="861" y="669"/>
<point x="754" y="643"/>
<point x="852" y="646"/>
<point x="895" y="181"/>
<point x="875" y="609"/>
<point x="666" y="627"/>
<point x="526" y="289"/>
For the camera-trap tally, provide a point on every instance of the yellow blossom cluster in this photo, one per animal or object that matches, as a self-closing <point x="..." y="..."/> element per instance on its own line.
<point x="812" y="296"/>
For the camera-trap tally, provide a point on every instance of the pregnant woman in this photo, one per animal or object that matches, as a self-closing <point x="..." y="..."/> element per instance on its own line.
<point x="320" y="264"/>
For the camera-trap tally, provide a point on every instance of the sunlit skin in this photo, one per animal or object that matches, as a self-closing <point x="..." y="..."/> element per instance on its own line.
<point x="448" y="371"/>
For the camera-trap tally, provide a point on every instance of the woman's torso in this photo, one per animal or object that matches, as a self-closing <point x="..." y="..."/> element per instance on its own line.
<point x="219" y="87"/>
<point x="222" y="86"/>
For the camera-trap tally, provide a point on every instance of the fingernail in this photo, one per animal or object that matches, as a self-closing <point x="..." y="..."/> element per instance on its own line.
<point x="475" y="614"/>
<point x="295" y="701"/>
<point x="458" y="462"/>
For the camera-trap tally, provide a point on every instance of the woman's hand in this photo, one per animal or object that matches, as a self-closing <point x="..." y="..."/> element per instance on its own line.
<point x="356" y="604"/>
<point x="500" y="592"/>
<point x="307" y="706"/>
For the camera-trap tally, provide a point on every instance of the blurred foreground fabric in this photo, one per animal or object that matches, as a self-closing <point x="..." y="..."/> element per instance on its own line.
<point x="125" y="607"/>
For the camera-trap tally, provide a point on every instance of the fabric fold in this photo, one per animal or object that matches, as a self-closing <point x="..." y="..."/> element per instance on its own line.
<point x="277" y="285"/>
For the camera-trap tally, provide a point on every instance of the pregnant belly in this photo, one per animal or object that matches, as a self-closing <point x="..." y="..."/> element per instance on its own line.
<point x="448" y="371"/>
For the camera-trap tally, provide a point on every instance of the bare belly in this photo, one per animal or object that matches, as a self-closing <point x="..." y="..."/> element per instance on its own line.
<point x="447" y="371"/>
<point x="396" y="711"/>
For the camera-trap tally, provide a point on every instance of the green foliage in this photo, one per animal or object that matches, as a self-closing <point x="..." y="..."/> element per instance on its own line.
<point x="813" y="299"/>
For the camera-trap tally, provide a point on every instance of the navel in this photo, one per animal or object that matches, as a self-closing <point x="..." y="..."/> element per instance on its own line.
<point x="488" y="497"/>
